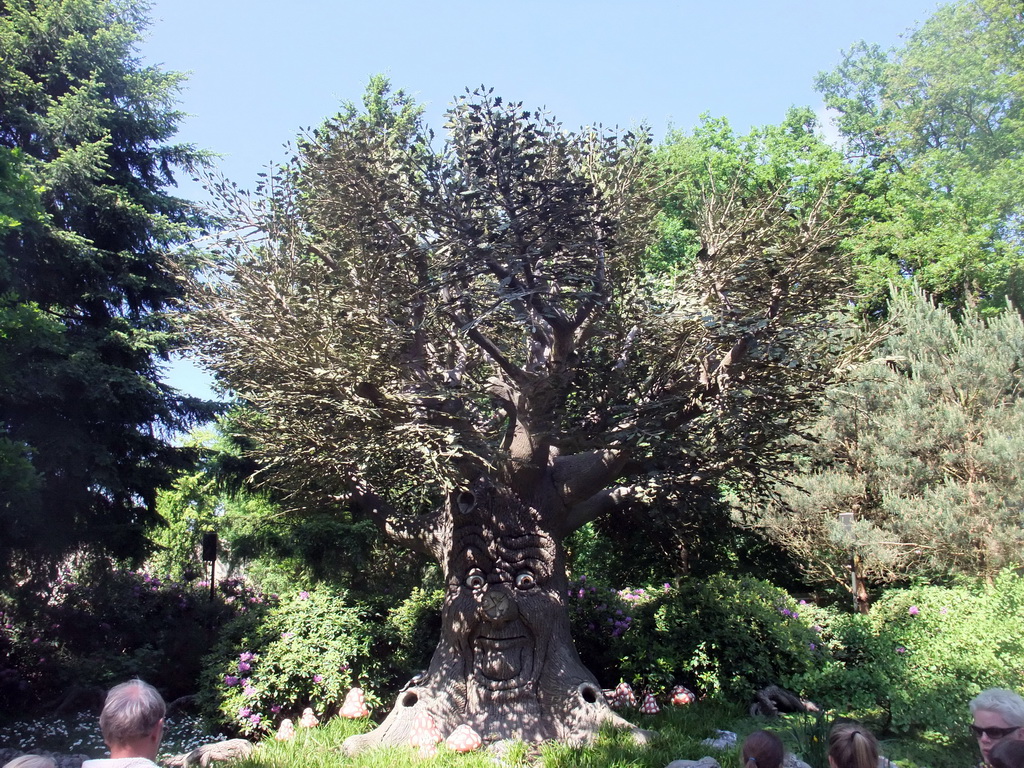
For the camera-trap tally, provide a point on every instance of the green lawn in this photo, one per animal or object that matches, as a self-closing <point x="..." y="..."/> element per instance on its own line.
<point x="680" y="732"/>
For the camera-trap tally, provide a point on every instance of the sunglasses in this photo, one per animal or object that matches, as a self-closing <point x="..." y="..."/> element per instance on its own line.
<point x="993" y="733"/>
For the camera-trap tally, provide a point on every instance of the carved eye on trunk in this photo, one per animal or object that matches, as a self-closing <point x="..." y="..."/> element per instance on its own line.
<point x="466" y="502"/>
<point x="475" y="580"/>
<point x="525" y="580"/>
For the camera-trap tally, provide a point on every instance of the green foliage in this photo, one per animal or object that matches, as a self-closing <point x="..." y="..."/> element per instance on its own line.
<point x="96" y="626"/>
<point x="924" y="444"/>
<point x="86" y="224"/>
<point x="412" y="629"/>
<point x="789" y="158"/>
<point x="935" y="127"/>
<point x="921" y="654"/>
<point x="305" y="651"/>
<point x="721" y="636"/>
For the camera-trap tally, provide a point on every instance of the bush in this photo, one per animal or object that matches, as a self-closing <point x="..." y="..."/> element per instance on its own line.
<point x="306" y="651"/>
<point x="922" y="653"/>
<point x="720" y="635"/>
<point x="412" y="631"/>
<point x="94" y="626"/>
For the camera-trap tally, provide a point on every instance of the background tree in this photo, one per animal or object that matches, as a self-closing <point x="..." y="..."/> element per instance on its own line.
<point x="924" y="445"/>
<point x="477" y="325"/>
<point x="85" y="278"/>
<point x="936" y="128"/>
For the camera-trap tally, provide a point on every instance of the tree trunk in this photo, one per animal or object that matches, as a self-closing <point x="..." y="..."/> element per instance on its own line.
<point x="506" y="664"/>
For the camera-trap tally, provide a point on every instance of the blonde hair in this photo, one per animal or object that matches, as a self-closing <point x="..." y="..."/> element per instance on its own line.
<point x="851" y="745"/>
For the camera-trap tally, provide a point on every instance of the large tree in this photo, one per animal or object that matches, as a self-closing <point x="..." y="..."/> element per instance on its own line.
<point x="924" y="445"/>
<point x="479" y="325"/>
<point x="87" y="224"/>
<point x="936" y="128"/>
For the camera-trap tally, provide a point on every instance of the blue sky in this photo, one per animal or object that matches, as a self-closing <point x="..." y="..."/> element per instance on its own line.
<point x="260" y="71"/>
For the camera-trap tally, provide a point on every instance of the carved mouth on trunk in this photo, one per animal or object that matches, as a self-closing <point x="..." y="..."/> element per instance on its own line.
<point x="503" y="656"/>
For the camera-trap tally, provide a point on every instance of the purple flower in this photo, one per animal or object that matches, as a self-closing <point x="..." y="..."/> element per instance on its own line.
<point x="230" y="681"/>
<point x="944" y="611"/>
<point x="244" y="711"/>
<point x="303" y="595"/>
<point x="244" y="666"/>
<point x="900" y="649"/>
<point x="287" y="635"/>
<point x="246" y="656"/>
<point x="667" y="587"/>
<point x="913" y="610"/>
<point x="249" y="691"/>
<point x="318" y="678"/>
<point x="581" y="593"/>
<point x="255" y="719"/>
<point x="276" y="708"/>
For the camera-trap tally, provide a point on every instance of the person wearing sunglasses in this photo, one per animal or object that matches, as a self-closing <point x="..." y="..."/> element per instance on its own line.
<point x="998" y="715"/>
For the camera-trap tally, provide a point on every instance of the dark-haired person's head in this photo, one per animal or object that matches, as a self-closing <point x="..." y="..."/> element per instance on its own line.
<point x="851" y="745"/>
<point x="998" y="716"/>
<point x="1008" y="753"/>
<point x="762" y="749"/>
<point x="132" y="720"/>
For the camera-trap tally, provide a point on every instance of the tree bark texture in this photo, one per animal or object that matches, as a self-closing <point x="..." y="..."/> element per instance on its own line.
<point x="506" y="664"/>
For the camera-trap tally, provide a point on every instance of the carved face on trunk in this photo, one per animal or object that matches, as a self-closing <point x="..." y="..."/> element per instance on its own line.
<point x="505" y="593"/>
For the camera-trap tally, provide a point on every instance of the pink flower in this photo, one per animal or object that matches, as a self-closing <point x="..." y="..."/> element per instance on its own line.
<point x="303" y="595"/>
<point x="913" y="610"/>
<point x="318" y="678"/>
<point x="230" y="681"/>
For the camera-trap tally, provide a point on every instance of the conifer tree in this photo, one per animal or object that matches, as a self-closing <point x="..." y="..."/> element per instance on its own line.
<point x="86" y="277"/>
<point x="924" y="445"/>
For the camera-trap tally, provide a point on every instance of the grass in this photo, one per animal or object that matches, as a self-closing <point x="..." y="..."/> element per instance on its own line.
<point x="680" y="733"/>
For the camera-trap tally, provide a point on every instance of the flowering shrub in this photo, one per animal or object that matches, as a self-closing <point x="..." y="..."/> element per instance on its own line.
<point x="307" y="651"/>
<point x="719" y="635"/>
<point x="95" y="626"/>
<point x="922" y="653"/>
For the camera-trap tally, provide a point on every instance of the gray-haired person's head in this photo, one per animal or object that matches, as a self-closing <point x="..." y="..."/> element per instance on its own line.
<point x="131" y="711"/>
<point x="31" y="761"/>
<point x="1001" y="701"/>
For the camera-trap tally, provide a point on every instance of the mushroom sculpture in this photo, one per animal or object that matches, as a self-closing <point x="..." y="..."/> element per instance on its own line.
<point x="624" y="694"/>
<point x="285" y="731"/>
<point x="681" y="696"/>
<point x="425" y="734"/>
<point x="464" y="739"/>
<point x="650" y="705"/>
<point x="355" y="704"/>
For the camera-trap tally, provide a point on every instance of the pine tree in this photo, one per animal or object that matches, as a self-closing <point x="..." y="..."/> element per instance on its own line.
<point x="86" y="277"/>
<point x="924" y="445"/>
